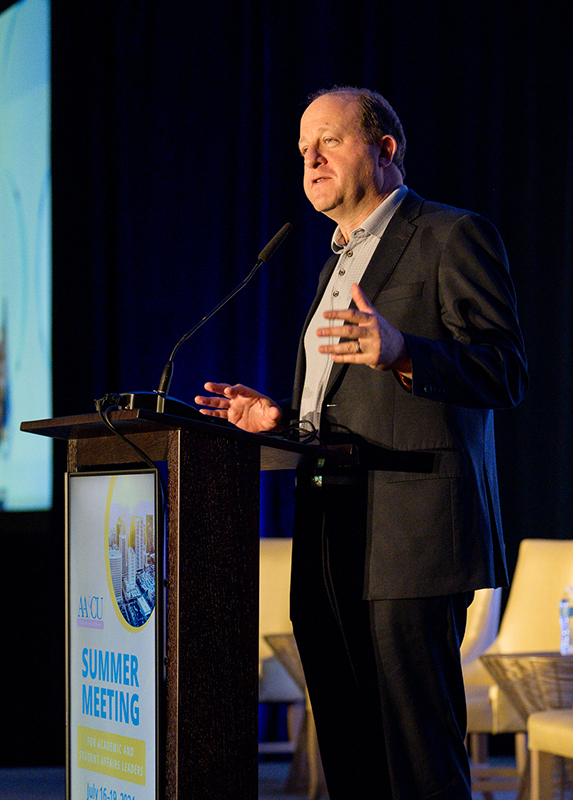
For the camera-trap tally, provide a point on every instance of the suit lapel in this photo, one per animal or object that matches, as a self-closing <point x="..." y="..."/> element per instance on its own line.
<point x="387" y="255"/>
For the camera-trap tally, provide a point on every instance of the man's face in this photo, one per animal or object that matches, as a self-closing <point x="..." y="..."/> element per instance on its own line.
<point x="344" y="176"/>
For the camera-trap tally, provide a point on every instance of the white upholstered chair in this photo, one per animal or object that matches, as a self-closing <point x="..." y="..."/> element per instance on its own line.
<point x="275" y="684"/>
<point x="481" y="630"/>
<point x="482" y="625"/>
<point x="530" y="623"/>
<point x="550" y="734"/>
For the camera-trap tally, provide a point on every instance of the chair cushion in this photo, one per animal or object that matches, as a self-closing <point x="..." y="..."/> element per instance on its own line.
<point x="490" y="711"/>
<point x="480" y="718"/>
<point x="552" y="732"/>
<point x="505" y="717"/>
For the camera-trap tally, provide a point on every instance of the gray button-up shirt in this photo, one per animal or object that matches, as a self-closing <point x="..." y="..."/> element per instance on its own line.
<point x="354" y="257"/>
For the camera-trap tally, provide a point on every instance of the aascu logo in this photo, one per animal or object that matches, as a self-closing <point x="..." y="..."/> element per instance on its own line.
<point x="90" y="612"/>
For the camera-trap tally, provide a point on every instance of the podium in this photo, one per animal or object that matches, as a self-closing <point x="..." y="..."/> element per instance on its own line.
<point x="209" y="740"/>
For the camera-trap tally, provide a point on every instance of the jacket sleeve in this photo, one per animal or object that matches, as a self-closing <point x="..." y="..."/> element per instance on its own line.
<point x="479" y="361"/>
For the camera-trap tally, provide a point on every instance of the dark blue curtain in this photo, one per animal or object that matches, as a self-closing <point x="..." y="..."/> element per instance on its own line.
<point x="174" y="154"/>
<point x="175" y="159"/>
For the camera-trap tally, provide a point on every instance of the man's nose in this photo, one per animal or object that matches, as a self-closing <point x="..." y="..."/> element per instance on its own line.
<point x="313" y="158"/>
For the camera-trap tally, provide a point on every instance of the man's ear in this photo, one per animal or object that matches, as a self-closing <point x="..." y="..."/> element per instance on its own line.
<point x="388" y="147"/>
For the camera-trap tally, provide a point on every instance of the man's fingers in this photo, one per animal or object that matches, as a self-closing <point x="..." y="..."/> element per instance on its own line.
<point x="216" y="388"/>
<point x="348" y="314"/>
<point x="228" y="390"/>
<point x="240" y="389"/>
<point x="360" y="299"/>
<point x="217" y="412"/>
<point x="362" y="313"/>
<point x="343" y="331"/>
<point x="212" y="402"/>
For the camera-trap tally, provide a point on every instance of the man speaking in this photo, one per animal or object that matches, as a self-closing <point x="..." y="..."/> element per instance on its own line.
<point x="412" y="341"/>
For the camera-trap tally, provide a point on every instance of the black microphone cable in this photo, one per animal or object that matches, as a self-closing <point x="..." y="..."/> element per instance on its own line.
<point x="112" y="403"/>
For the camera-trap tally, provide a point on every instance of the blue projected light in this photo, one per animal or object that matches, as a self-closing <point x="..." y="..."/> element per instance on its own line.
<point x="25" y="255"/>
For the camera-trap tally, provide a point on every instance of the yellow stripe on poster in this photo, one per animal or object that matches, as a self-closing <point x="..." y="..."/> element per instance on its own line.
<point x="112" y="755"/>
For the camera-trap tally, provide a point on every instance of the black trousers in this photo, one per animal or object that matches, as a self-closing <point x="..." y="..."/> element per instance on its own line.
<point x="384" y="676"/>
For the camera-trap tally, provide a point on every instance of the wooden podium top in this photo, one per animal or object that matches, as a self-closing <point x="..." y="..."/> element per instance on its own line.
<point x="276" y="453"/>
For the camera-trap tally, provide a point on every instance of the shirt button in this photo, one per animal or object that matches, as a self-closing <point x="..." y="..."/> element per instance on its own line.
<point x="342" y="272"/>
<point x="350" y="254"/>
<point x="335" y="293"/>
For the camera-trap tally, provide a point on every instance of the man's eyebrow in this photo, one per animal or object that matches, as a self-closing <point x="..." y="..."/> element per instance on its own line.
<point x="318" y="132"/>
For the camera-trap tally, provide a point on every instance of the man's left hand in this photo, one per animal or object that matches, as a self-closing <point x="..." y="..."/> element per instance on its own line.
<point x="369" y="338"/>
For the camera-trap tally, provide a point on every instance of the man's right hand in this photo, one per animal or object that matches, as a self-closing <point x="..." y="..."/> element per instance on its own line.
<point x="246" y="408"/>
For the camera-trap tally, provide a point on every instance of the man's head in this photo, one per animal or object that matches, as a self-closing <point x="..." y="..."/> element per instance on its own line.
<point x="377" y="118"/>
<point x="349" y="154"/>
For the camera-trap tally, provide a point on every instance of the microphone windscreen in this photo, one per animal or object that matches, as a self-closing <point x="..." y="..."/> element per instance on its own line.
<point x="270" y="248"/>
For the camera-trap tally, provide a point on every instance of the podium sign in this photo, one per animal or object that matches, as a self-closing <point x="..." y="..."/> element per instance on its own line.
<point x="112" y="554"/>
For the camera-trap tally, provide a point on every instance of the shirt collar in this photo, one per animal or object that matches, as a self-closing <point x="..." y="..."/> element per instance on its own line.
<point x="376" y="223"/>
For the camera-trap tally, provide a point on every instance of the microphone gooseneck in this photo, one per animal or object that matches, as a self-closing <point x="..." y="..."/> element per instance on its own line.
<point x="264" y="256"/>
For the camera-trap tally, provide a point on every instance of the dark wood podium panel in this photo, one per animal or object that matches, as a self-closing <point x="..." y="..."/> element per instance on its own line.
<point x="211" y="666"/>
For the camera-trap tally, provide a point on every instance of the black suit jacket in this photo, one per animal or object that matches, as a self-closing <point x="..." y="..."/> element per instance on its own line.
<point x="440" y="275"/>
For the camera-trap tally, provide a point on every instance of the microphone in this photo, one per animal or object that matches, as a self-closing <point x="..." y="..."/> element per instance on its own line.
<point x="269" y="249"/>
<point x="264" y="255"/>
<point x="159" y="399"/>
